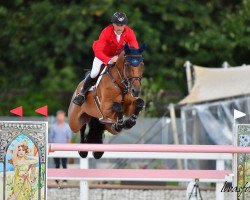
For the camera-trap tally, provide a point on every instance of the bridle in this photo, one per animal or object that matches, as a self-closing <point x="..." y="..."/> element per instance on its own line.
<point x="126" y="80"/>
<point x="127" y="64"/>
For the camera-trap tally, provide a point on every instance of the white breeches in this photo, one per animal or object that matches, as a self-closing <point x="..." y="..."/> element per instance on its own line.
<point x="97" y="63"/>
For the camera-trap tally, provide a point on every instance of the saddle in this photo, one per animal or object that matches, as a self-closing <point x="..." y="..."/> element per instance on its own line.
<point x="98" y="78"/>
<point x="93" y="89"/>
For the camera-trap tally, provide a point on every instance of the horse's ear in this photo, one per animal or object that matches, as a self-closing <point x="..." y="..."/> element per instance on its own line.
<point x="142" y="48"/>
<point x="126" y="48"/>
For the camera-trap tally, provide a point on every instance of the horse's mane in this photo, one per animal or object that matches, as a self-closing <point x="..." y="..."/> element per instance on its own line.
<point x="121" y="58"/>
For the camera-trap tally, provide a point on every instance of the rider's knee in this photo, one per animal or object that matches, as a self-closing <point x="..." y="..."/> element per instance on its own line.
<point x="96" y="67"/>
<point x="94" y="74"/>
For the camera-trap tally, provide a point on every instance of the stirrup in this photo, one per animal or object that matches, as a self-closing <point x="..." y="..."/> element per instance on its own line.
<point x="79" y="99"/>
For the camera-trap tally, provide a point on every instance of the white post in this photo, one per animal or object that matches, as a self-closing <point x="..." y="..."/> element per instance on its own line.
<point x="164" y="130"/>
<point x="174" y="130"/>
<point x="225" y="64"/>
<point x="188" y="65"/>
<point x="84" y="187"/>
<point x="184" y="131"/>
<point x="220" y="165"/>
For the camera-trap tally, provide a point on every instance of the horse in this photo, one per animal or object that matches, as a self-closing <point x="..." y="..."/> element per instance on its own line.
<point x="115" y="96"/>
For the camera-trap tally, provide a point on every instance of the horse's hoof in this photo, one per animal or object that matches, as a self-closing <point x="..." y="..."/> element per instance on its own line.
<point x="97" y="155"/>
<point x="114" y="132"/>
<point x="83" y="154"/>
<point x="117" y="128"/>
<point x="129" y="124"/>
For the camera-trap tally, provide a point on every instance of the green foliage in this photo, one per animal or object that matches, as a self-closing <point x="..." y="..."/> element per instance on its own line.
<point x="46" y="45"/>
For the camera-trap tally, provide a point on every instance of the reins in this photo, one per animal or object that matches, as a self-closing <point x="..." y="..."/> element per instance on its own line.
<point x="125" y="80"/>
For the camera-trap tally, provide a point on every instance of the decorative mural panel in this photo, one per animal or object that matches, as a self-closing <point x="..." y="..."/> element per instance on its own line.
<point x="23" y="154"/>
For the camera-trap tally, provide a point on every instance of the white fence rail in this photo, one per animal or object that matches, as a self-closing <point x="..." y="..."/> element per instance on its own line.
<point x="220" y="159"/>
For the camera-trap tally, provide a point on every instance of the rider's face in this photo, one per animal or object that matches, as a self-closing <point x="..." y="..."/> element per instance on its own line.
<point x="119" y="28"/>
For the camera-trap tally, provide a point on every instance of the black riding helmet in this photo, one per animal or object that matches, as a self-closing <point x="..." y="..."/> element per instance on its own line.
<point x="119" y="18"/>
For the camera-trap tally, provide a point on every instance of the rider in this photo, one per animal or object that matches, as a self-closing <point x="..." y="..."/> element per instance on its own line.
<point x="107" y="48"/>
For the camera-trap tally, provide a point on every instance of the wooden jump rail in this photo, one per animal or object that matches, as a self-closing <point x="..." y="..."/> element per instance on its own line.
<point x="135" y="174"/>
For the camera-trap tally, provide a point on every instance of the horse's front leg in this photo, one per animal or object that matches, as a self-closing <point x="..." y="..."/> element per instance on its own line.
<point x="130" y="122"/>
<point x="119" y="125"/>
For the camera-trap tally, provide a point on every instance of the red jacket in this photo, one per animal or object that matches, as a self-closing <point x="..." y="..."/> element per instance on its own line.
<point x="107" y="46"/>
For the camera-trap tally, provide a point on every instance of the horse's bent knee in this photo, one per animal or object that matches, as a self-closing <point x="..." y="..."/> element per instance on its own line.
<point x="117" y="107"/>
<point x="139" y="103"/>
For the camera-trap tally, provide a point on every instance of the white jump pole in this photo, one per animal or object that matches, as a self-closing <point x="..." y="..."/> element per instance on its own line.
<point x="149" y="148"/>
<point x="84" y="186"/>
<point x="220" y="165"/>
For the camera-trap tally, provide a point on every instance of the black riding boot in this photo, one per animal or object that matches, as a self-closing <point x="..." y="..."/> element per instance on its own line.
<point x="80" y="98"/>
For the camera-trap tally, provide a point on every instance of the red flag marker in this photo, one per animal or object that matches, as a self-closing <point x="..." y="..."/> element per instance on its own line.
<point x="17" y="111"/>
<point x="42" y="110"/>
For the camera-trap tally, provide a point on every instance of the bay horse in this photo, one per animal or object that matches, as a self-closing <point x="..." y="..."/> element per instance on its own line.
<point x="116" y="96"/>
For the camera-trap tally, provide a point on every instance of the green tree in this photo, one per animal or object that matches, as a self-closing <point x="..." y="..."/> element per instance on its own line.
<point x="46" y="45"/>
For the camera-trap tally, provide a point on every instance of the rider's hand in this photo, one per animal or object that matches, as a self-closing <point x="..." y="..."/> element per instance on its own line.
<point x="114" y="59"/>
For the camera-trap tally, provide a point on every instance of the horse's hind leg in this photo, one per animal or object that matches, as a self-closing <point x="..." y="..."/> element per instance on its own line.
<point x="95" y="135"/>
<point x="129" y="123"/>
<point x="83" y="154"/>
<point x="117" y="108"/>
